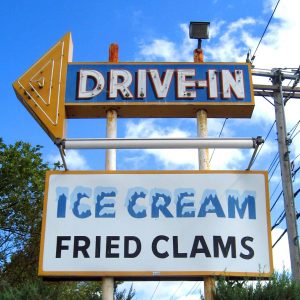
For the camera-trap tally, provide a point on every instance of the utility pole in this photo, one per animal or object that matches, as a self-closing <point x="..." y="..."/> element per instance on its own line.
<point x="286" y="176"/>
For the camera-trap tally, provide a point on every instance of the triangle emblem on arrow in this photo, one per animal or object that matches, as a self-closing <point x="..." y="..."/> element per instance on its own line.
<point x="41" y="82"/>
<point x="42" y="88"/>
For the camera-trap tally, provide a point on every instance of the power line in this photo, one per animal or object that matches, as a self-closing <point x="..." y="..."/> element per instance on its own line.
<point x="194" y="287"/>
<point x="293" y="87"/>
<point x="270" y="130"/>
<point x="253" y="56"/>
<point x="219" y="136"/>
<point x="279" y="220"/>
<point x="284" y="232"/>
<point x="281" y="236"/>
<point x="155" y="290"/>
<point x="292" y="137"/>
<point x="276" y="200"/>
<point x="275" y="190"/>
<point x="261" y="95"/>
<point x="176" y="290"/>
<point x="276" y="157"/>
<point x="275" y="168"/>
<point x="280" y="194"/>
<point x="296" y="157"/>
<point x="293" y="129"/>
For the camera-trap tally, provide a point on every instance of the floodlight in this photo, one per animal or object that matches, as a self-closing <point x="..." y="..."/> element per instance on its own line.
<point x="199" y="31"/>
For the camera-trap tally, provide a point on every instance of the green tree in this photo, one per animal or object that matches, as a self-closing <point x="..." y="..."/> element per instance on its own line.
<point x="22" y="173"/>
<point x="280" y="286"/>
<point x="22" y="179"/>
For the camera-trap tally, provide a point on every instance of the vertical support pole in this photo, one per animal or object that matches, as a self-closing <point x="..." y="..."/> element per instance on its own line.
<point x="110" y="164"/>
<point x="111" y="132"/>
<point x="286" y="177"/>
<point x="203" y="154"/>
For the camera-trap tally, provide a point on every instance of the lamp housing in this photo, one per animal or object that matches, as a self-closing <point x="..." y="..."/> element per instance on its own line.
<point x="199" y="30"/>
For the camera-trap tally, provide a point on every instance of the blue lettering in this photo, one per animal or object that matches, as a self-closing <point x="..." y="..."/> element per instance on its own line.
<point x="160" y="200"/>
<point x="81" y="210"/>
<point x="135" y="210"/>
<point x="184" y="205"/>
<point x="234" y="205"/>
<point x="61" y="196"/>
<point x="105" y="202"/>
<point x="211" y="204"/>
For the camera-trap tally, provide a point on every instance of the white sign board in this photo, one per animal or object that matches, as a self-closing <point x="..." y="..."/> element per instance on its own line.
<point x="172" y="223"/>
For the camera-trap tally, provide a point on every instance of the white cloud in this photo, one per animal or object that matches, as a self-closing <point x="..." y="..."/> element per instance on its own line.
<point x="231" y="42"/>
<point x="165" y="50"/>
<point x="74" y="160"/>
<point x="170" y="159"/>
<point x="223" y="159"/>
<point x="228" y="46"/>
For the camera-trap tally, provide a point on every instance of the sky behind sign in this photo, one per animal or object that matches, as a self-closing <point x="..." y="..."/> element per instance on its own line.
<point x="157" y="31"/>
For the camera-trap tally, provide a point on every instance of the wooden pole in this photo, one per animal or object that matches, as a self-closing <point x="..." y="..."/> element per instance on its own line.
<point x="203" y="155"/>
<point x="110" y="164"/>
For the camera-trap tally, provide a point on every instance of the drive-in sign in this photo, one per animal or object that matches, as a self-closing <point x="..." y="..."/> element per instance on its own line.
<point x="55" y="89"/>
<point x="125" y="224"/>
<point x="159" y="89"/>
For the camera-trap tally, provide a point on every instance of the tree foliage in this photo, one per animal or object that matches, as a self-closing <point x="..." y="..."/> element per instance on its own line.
<point x="22" y="179"/>
<point x="22" y="174"/>
<point x="278" y="287"/>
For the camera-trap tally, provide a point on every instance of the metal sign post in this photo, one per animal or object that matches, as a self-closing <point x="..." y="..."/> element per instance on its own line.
<point x="110" y="164"/>
<point x="203" y="154"/>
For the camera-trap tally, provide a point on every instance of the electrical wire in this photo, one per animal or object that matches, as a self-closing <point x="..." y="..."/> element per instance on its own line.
<point x="279" y="220"/>
<point x="280" y="194"/>
<point x="276" y="157"/>
<point x="265" y="139"/>
<point x="275" y="168"/>
<point x="253" y="56"/>
<point x="284" y="232"/>
<point x="175" y="292"/>
<point x="213" y="152"/>
<point x="261" y="95"/>
<point x="276" y="200"/>
<point x="293" y="87"/>
<point x="275" y="189"/>
<point x="155" y="290"/>
<point x="194" y="287"/>
<point x="292" y="137"/>
<point x="296" y="157"/>
<point x="291" y="132"/>
<point x="281" y="236"/>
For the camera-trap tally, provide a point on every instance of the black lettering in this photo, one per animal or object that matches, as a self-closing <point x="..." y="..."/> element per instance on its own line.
<point x="83" y="248"/>
<point x="204" y="249"/>
<point x="110" y="246"/>
<point x="247" y="247"/>
<point x="230" y="244"/>
<point x="60" y="246"/>
<point x="154" y="246"/>
<point x="175" y="248"/>
<point x="98" y="247"/>
<point x="138" y="246"/>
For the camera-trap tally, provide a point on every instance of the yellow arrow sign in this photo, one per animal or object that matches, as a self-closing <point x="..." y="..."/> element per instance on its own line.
<point x="42" y="88"/>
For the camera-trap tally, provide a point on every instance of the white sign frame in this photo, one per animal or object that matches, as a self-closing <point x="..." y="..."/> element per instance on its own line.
<point x="235" y="242"/>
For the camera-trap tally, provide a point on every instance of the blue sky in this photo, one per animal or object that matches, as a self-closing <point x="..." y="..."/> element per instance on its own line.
<point x="154" y="31"/>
